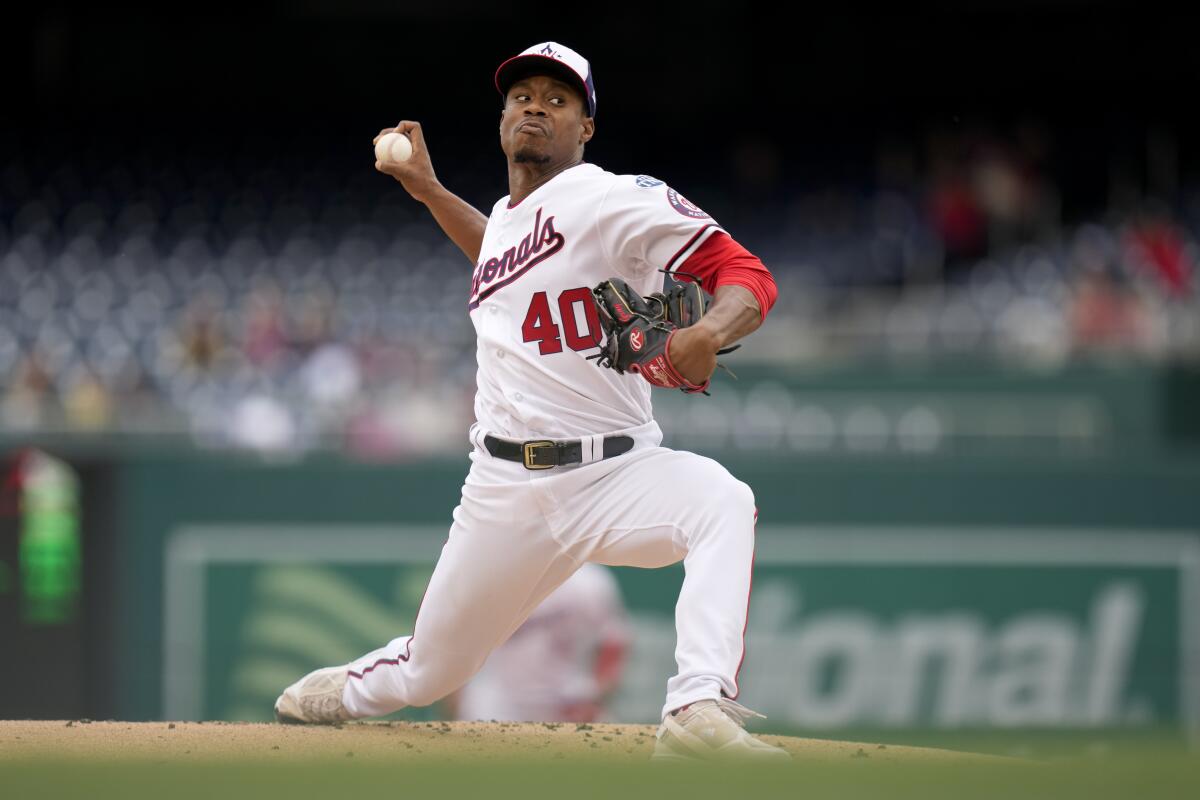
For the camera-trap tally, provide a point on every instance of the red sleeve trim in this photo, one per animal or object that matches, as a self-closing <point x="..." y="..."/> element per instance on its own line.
<point x="672" y="263"/>
<point x="721" y="261"/>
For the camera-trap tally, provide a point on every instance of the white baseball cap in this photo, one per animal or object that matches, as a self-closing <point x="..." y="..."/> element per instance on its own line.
<point x="554" y="59"/>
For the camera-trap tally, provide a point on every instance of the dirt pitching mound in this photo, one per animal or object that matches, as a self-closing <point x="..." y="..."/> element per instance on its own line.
<point x="182" y="742"/>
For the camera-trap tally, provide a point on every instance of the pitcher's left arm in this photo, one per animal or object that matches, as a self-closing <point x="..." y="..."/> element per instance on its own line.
<point x="743" y="292"/>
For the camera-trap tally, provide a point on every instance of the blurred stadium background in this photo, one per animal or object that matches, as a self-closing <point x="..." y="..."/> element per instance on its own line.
<point x="236" y="369"/>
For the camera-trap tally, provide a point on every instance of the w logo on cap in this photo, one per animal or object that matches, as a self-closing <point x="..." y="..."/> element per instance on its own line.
<point x="549" y="51"/>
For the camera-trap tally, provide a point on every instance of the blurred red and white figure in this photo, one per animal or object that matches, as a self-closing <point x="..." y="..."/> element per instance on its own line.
<point x="562" y="664"/>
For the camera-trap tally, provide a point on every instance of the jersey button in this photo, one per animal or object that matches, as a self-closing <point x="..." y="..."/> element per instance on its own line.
<point x="492" y="309"/>
<point x="499" y="354"/>
<point x="518" y="397"/>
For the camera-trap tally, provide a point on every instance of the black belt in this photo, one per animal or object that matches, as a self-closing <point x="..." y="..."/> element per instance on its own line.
<point x="544" y="453"/>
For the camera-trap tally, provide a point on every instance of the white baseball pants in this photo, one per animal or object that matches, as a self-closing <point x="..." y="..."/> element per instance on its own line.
<point x="518" y="534"/>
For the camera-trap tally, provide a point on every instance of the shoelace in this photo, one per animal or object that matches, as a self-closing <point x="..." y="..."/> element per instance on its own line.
<point x="737" y="711"/>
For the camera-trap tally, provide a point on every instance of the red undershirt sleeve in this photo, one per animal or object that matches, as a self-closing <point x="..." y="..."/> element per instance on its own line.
<point x="721" y="261"/>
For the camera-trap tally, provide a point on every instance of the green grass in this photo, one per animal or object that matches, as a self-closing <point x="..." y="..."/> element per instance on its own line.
<point x="1143" y="775"/>
<point x="1043" y="744"/>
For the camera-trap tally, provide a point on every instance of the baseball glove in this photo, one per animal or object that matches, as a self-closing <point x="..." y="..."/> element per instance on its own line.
<point x="638" y="329"/>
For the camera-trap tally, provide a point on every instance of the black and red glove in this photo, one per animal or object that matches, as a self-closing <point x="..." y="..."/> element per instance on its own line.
<point x="638" y="329"/>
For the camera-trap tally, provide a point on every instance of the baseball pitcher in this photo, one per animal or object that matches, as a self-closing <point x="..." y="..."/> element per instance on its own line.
<point x="566" y="463"/>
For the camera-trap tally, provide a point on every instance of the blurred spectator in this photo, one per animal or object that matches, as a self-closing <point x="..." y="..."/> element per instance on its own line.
<point x="28" y="394"/>
<point x="331" y="376"/>
<point x="87" y="402"/>
<point x="1011" y="192"/>
<point x="311" y="327"/>
<point x="264" y="340"/>
<point x="562" y="664"/>
<point x="1155" y="245"/>
<point x="956" y="215"/>
<point x="263" y="423"/>
<point x="987" y="191"/>
<point x="200" y="336"/>
<point x="1105" y="315"/>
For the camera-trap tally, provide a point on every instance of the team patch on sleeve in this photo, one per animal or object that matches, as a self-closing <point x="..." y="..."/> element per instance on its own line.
<point x="646" y="182"/>
<point x="685" y="206"/>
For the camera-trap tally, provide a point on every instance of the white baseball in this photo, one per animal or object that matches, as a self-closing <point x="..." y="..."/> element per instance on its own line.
<point x="393" y="147"/>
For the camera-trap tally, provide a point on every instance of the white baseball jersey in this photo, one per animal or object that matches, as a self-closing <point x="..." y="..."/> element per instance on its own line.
<point x="531" y="298"/>
<point x="549" y="663"/>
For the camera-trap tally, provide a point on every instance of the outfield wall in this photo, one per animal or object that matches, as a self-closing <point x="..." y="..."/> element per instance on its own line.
<point x="894" y="592"/>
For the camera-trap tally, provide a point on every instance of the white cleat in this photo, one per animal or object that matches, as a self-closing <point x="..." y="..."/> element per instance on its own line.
<point x="712" y="730"/>
<point x="315" y="699"/>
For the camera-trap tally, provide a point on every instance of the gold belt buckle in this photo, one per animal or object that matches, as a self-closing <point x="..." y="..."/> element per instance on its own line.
<point x="530" y="447"/>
